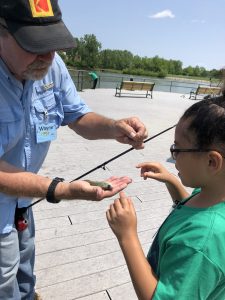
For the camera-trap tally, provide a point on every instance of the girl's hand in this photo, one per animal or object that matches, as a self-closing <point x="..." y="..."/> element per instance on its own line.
<point x="122" y="219"/>
<point x="155" y="171"/>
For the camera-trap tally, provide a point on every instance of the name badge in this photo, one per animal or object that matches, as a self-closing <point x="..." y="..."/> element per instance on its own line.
<point x="45" y="132"/>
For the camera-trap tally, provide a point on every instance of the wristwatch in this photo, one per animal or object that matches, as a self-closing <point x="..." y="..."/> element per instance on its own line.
<point x="50" y="196"/>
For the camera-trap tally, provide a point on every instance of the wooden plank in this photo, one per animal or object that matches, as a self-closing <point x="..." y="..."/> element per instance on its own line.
<point x="97" y="296"/>
<point x="137" y="85"/>
<point x="96" y="234"/>
<point x="83" y="286"/>
<point x="90" y="250"/>
<point x="123" y="292"/>
<point x="208" y="90"/>
<point x="205" y="90"/>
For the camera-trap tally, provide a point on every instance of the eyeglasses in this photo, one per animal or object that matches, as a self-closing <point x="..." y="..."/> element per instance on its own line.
<point x="174" y="151"/>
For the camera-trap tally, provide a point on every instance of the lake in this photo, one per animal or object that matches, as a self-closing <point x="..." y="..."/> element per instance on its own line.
<point x="111" y="80"/>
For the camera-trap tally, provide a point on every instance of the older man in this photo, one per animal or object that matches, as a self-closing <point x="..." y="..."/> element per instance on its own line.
<point x="37" y="95"/>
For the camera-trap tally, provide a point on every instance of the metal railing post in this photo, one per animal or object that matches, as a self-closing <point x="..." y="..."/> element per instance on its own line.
<point x="171" y="83"/>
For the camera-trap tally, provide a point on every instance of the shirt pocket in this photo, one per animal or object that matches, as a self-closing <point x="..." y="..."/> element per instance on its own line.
<point x="11" y="129"/>
<point x="46" y="109"/>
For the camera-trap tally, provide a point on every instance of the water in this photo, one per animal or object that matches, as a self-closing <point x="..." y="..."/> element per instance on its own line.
<point x="111" y="80"/>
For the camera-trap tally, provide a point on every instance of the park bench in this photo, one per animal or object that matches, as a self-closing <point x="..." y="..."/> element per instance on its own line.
<point x="205" y="90"/>
<point x="135" y="86"/>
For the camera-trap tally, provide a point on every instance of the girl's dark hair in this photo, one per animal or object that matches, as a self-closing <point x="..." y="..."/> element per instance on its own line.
<point x="207" y="122"/>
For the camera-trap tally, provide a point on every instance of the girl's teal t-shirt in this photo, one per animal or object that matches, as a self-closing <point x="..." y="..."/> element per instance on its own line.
<point x="187" y="254"/>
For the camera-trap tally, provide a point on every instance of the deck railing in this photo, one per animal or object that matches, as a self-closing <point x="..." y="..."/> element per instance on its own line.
<point x="107" y="80"/>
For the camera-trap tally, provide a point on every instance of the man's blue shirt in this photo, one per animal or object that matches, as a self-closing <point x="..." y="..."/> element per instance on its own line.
<point x="53" y="100"/>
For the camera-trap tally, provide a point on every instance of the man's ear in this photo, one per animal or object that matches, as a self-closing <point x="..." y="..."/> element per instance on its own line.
<point x="215" y="161"/>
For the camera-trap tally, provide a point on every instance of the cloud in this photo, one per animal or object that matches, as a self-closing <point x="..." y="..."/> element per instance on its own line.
<point x="167" y="13"/>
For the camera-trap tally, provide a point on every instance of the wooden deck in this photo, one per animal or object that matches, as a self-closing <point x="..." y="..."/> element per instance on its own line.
<point x="77" y="255"/>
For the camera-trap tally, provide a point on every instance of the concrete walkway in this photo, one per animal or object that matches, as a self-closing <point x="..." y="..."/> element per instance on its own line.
<point x="77" y="255"/>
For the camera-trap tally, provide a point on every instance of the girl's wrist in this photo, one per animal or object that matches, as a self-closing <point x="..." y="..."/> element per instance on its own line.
<point x="128" y="243"/>
<point x="127" y="239"/>
<point x="171" y="179"/>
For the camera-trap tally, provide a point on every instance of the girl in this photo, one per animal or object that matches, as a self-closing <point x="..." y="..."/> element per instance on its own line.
<point x="186" y="259"/>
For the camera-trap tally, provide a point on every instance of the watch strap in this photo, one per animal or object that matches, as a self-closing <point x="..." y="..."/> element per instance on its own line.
<point x="50" y="196"/>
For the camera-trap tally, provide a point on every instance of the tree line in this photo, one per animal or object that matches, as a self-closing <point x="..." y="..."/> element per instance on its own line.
<point x="89" y="55"/>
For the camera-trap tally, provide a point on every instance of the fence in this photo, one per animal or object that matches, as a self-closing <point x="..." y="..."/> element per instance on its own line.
<point x="111" y="80"/>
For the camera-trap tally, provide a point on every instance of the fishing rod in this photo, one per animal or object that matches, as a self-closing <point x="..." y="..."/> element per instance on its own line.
<point x="110" y="160"/>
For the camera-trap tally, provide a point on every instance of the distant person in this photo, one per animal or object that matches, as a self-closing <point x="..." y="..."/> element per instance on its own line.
<point x="94" y="78"/>
<point x="186" y="259"/>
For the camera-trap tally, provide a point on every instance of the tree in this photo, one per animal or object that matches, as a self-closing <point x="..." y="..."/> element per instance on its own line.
<point x="88" y="49"/>
<point x="174" y="67"/>
<point x="71" y="55"/>
<point x="136" y="64"/>
<point x="88" y="54"/>
<point x="189" y="71"/>
<point x="115" y="59"/>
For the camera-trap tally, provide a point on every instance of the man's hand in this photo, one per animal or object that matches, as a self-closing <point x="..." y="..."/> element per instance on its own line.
<point x="127" y="131"/>
<point x="82" y="189"/>
<point x="130" y="131"/>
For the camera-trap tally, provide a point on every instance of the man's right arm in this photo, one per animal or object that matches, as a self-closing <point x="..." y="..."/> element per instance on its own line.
<point x="16" y="182"/>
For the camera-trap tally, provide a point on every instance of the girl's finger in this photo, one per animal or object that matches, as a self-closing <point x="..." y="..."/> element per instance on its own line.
<point x="108" y="216"/>
<point x="124" y="200"/>
<point x="112" y="211"/>
<point x="117" y="206"/>
<point x="132" y="206"/>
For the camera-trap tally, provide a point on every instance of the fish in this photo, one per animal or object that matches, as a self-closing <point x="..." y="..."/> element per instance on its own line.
<point x="103" y="184"/>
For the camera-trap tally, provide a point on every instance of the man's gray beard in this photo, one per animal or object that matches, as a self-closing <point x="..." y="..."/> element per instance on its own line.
<point x="34" y="74"/>
<point x="35" y="70"/>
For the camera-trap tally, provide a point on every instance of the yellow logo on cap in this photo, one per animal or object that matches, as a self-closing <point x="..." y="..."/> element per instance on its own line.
<point x="41" y="8"/>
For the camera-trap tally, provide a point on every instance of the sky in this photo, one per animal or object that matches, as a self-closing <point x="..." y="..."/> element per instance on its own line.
<point x="192" y="31"/>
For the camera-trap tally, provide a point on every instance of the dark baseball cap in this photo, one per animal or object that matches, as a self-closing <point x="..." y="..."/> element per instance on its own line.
<point x="36" y="25"/>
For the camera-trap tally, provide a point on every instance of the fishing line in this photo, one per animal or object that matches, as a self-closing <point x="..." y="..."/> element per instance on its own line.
<point x="110" y="160"/>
